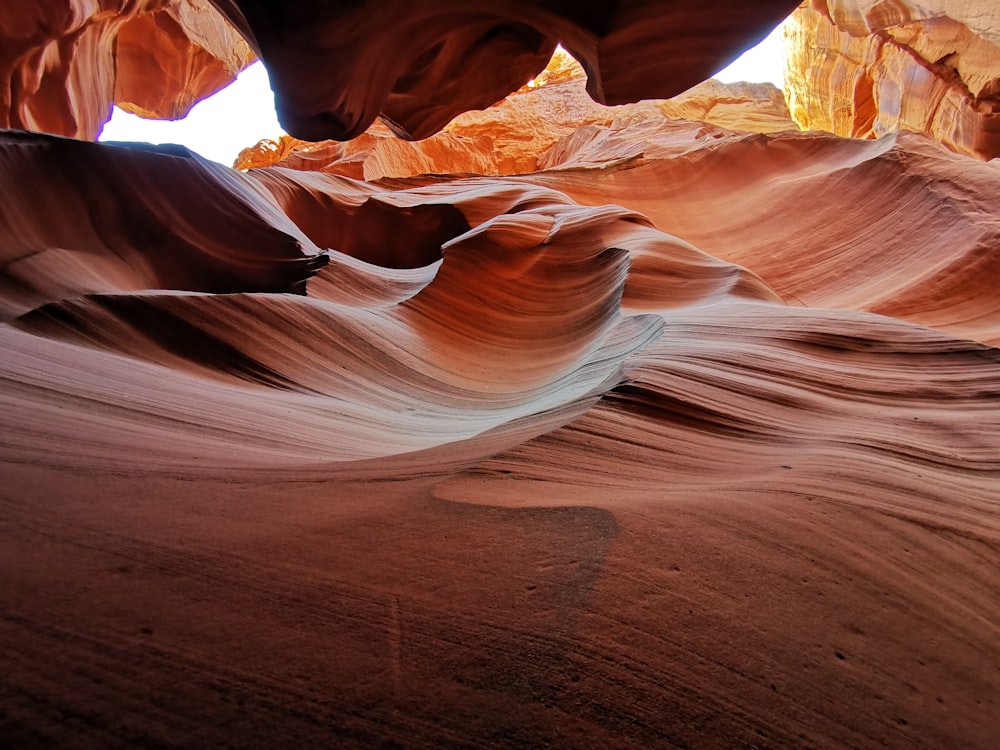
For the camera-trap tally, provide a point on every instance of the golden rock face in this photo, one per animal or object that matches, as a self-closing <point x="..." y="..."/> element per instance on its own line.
<point x="867" y="69"/>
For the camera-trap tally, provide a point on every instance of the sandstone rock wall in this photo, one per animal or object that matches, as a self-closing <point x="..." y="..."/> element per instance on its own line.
<point x="335" y="67"/>
<point x="865" y="69"/>
<point x="64" y="63"/>
<point x="688" y="438"/>
<point x="512" y="136"/>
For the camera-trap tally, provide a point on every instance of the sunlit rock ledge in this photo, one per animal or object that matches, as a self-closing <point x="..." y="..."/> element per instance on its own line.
<point x="515" y="135"/>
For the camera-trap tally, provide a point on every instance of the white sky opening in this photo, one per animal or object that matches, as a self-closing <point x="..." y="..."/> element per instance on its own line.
<point x="241" y="114"/>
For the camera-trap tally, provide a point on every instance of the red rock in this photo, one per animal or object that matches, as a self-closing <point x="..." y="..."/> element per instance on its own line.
<point x="511" y="136"/>
<point x="335" y="67"/>
<point x="921" y="251"/>
<point x="196" y="226"/>
<point x="64" y="63"/>
<point x="612" y="453"/>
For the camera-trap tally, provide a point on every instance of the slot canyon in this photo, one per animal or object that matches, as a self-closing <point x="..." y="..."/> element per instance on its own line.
<point x="536" y="389"/>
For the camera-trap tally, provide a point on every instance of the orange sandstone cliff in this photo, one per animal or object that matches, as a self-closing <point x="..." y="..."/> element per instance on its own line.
<point x="665" y="425"/>
<point x="864" y="69"/>
<point x="512" y="136"/>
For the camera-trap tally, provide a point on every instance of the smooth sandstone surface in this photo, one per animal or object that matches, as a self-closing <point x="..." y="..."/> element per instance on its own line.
<point x="64" y="63"/>
<point x="512" y="471"/>
<point x="864" y="70"/>
<point x="646" y="432"/>
<point x="898" y="226"/>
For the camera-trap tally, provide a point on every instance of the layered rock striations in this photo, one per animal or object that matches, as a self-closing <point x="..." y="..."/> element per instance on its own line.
<point x="898" y="226"/>
<point x="500" y="433"/>
<point x="684" y="436"/>
<point x="64" y="64"/>
<point x="109" y="219"/>
<point x="864" y="69"/>
<point x="513" y="136"/>
<point x="923" y="250"/>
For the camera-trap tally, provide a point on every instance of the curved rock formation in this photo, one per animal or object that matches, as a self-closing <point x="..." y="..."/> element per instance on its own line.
<point x="898" y="226"/>
<point x="64" y="63"/>
<point x="866" y="69"/>
<point x="513" y="135"/>
<point x="109" y="219"/>
<point x="335" y="67"/>
<point x="613" y="453"/>
<point x="539" y="457"/>
<point x="453" y="332"/>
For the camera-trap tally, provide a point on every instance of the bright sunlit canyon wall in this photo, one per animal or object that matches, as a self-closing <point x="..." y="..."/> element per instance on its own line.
<point x="866" y="69"/>
<point x="535" y="391"/>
